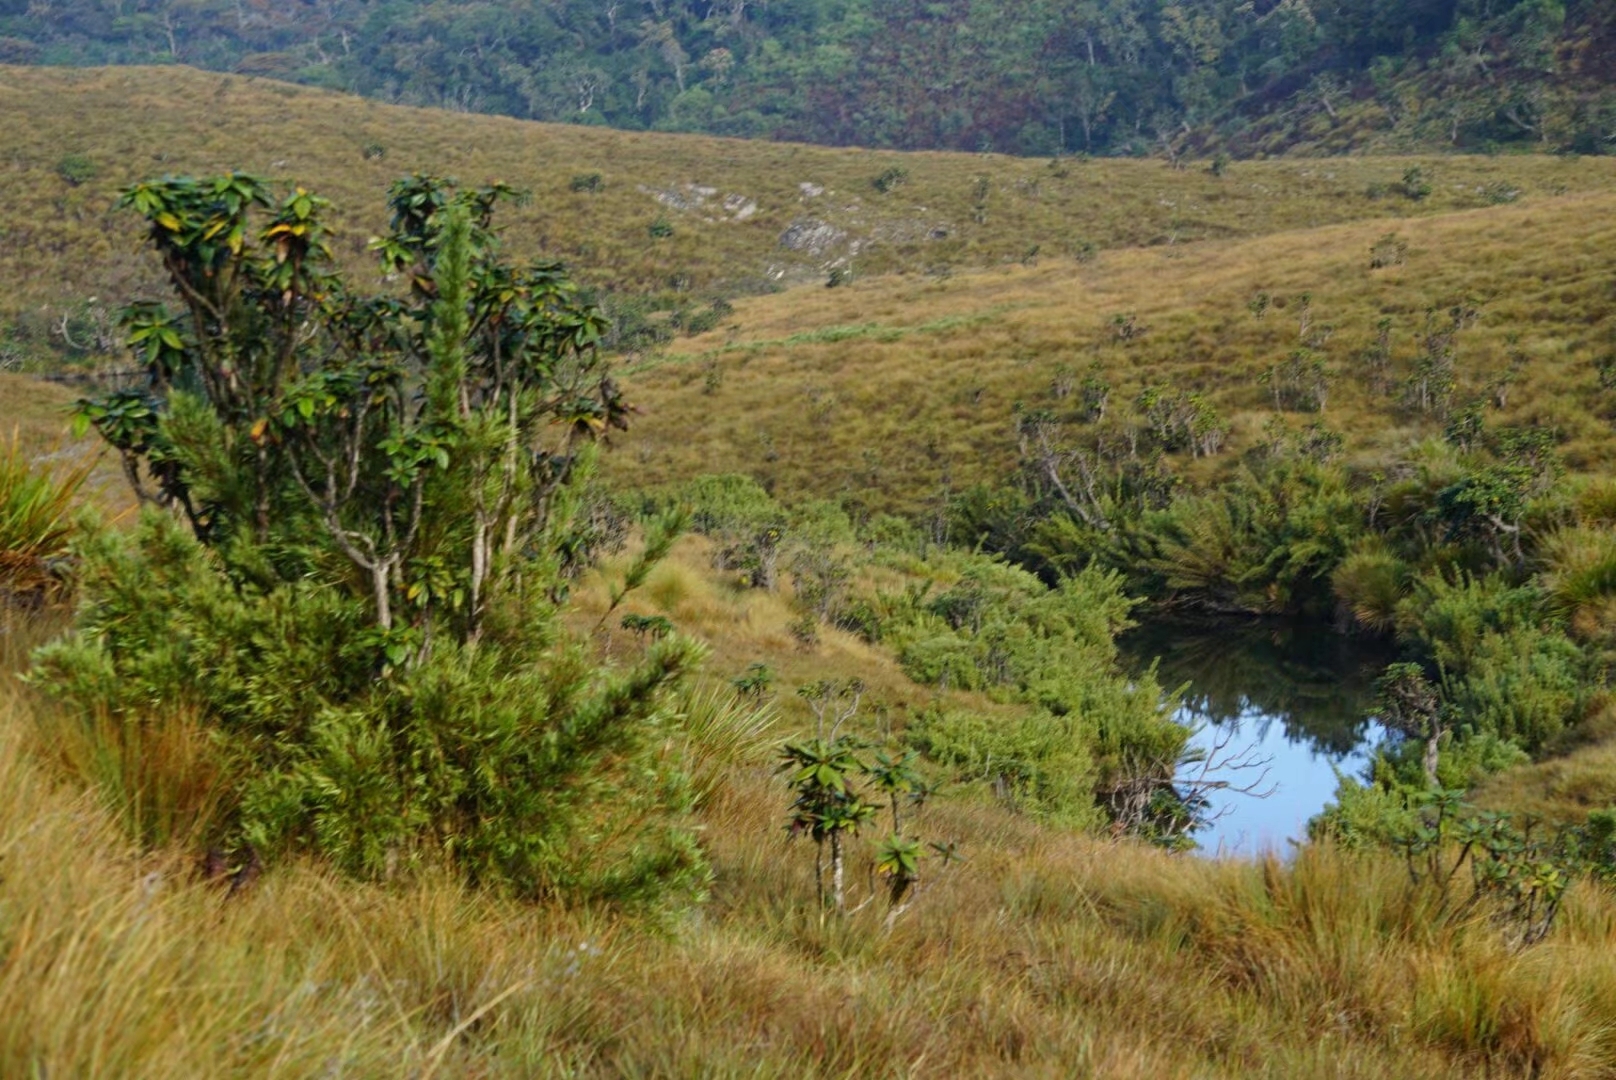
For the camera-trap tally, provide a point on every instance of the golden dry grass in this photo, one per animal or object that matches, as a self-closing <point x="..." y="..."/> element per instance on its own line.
<point x="38" y="413"/>
<point x="64" y="244"/>
<point x="1045" y="955"/>
<point x="885" y="390"/>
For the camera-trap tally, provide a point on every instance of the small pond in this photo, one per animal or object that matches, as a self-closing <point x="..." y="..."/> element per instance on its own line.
<point x="1293" y="695"/>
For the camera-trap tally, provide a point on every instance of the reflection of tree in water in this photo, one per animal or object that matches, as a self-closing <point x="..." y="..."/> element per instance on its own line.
<point x="1317" y="684"/>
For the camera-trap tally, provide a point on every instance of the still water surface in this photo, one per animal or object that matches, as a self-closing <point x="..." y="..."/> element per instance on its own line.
<point x="1294" y="695"/>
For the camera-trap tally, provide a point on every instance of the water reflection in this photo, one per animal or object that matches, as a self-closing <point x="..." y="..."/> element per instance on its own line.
<point x="1295" y="694"/>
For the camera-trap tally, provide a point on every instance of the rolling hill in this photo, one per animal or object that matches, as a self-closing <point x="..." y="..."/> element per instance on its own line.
<point x="891" y="389"/>
<point x="682" y="217"/>
<point x="970" y="290"/>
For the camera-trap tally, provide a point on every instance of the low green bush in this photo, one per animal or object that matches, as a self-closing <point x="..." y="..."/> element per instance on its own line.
<point x="518" y="761"/>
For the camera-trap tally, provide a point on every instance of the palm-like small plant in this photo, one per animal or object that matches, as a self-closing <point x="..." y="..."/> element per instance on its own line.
<point x="827" y="807"/>
<point x="898" y="860"/>
<point x="896" y="778"/>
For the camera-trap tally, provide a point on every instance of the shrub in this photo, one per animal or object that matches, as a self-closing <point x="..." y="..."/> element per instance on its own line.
<point x="1051" y="650"/>
<point x="1389" y="250"/>
<point x="1415" y="185"/>
<point x="498" y="759"/>
<point x="1504" y="671"/>
<point x="1446" y="617"/>
<point x="380" y="525"/>
<point x="1039" y="763"/>
<point x="890" y="179"/>
<point x="1525" y="687"/>
<point x="77" y="169"/>
<point x="722" y="503"/>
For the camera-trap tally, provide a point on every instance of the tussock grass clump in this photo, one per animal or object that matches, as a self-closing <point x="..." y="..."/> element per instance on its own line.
<point x="1369" y="584"/>
<point x="36" y="522"/>
<point x="723" y="732"/>
<point x="1580" y="580"/>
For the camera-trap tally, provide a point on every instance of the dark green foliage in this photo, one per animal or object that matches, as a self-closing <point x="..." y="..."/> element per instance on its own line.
<point x="1126" y="76"/>
<point x="1090" y="731"/>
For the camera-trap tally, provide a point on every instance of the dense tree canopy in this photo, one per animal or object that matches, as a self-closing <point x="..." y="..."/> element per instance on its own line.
<point x="1025" y="76"/>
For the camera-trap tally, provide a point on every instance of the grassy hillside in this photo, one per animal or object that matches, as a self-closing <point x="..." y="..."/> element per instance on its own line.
<point x="1046" y="954"/>
<point x="1050" y="951"/>
<point x="736" y="217"/>
<point x="885" y="390"/>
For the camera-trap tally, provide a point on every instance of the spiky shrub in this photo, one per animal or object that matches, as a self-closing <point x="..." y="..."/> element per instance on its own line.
<point x="1091" y="732"/>
<point x="1506" y="670"/>
<point x="379" y="498"/>
<point x="1266" y="543"/>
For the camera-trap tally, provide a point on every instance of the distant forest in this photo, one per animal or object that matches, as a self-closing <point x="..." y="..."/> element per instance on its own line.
<point x="1019" y="76"/>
